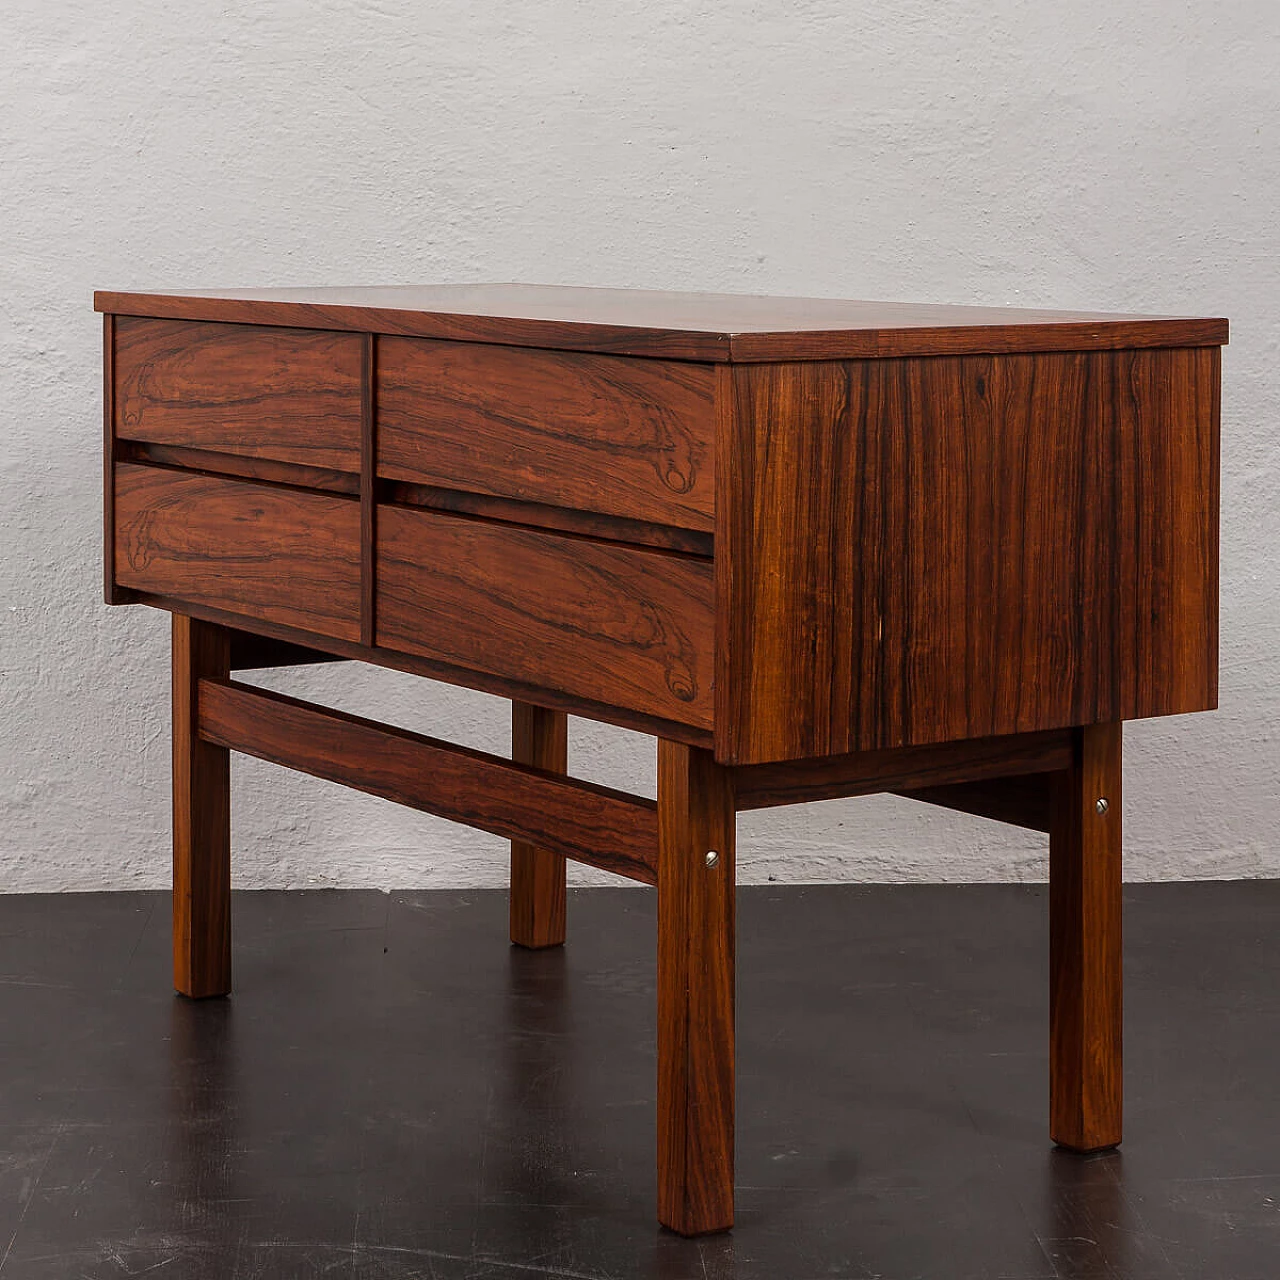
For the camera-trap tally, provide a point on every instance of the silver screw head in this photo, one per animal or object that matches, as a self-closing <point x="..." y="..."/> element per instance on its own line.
<point x="712" y="858"/>
<point x="1103" y="804"/>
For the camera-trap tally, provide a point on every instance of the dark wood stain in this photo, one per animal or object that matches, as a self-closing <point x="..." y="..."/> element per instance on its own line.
<point x="631" y="438"/>
<point x="1164" y="458"/>
<point x="369" y="352"/>
<point x="539" y="737"/>
<point x="540" y="515"/>
<point x="201" y="818"/>
<point x="583" y="821"/>
<point x="251" y="652"/>
<point x="414" y="664"/>
<point x="208" y="462"/>
<point x="627" y="627"/>
<point x="1086" y="990"/>
<point x="268" y="392"/>
<point x="696" y="957"/>
<point x="763" y="786"/>
<point x="1021" y="802"/>
<point x="680" y="326"/>
<point x="917" y="551"/>
<point x="587" y="524"/>
<point x="254" y="550"/>
<point x="851" y="547"/>
<point x="113" y="593"/>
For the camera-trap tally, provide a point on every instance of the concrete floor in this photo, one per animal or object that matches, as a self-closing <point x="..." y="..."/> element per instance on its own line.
<point x="392" y="1091"/>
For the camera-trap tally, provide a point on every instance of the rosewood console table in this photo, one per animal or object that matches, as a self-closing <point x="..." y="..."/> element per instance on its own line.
<point x="816" y="548"/>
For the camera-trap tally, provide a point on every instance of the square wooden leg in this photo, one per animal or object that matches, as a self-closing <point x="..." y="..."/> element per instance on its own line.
<point x="1086" y="998"/>
<point x="538" y="737"/>
<point x="695" y="991"/>
<point x="201" y="818"/>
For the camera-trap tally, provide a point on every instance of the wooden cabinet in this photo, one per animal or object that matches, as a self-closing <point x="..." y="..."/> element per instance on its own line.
<point x="817" y="548"/>
<point x="776" y="558"/>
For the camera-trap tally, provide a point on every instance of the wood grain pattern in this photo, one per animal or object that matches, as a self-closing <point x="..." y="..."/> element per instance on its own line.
<point x="1020" y="802"/>
<point x="201" y="818"/>
<point x="207" y="462"/>
<point x="269" y="392"/>
<point x="254" y="550"/>
<point x="872" y="546"/>
<point x="696" y="948"/>
<point x="919" y="551"/>
<point x="592" y="824"/>
<point x="863" y="773"/>
<point x="540" y="515"/>
<point x="1165" y="464"/>
<point x="485" y="682"/>
<point x="630" y="438"/>
<point x="1086" y="945"/>
<point x="625" y="627"/>
<point x="681" y="326"/>
<point x="539" y="737"/>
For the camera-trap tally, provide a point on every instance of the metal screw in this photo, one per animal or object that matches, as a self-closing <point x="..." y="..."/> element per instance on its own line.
<point x="1103" y="804"/>
<point x="712" y="858"/>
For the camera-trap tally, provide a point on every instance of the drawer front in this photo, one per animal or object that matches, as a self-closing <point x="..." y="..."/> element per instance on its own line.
<point x="616" y="625"/>
<point x="257" y="550"/>
<point x="625" y="437"/>
<point x="292" y="395"/>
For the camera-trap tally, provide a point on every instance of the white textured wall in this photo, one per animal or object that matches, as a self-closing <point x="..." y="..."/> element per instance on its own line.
<point x="996" y="151"/>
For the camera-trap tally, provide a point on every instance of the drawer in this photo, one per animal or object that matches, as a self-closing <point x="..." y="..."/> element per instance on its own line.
<point x="616" y="625"/>
<point x="625" y="437"/>
<point x="258" y="550"/>
<point x="291" y="395"/>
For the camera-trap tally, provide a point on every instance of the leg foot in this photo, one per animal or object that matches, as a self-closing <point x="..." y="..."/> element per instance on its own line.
<point x="538" y="737"/>
<point x="201" y="818"/>
<point x="1085" y="945"/>
<point x="695" y="991"/>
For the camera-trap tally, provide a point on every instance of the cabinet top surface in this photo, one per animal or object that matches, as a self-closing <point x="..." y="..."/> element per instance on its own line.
<point x="687" y="326"/>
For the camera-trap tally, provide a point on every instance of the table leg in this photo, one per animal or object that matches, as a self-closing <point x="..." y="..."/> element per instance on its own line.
<point x="1085" y="1000"/>
<point x="201" y="818"/>
<point x="538" y="737"/>
<point x="695" y="991"/>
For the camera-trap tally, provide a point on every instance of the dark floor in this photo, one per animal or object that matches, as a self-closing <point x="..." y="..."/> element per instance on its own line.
<point x="393" y="1091"/>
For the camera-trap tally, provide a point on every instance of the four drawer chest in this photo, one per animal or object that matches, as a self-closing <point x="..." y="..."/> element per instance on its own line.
<point x="815" y="548"/>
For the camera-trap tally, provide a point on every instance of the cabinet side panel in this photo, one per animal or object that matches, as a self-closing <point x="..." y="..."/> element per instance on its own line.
<point x="798" y="546"/>
<point x="1166" y="451"/>
<point x="917" y="550"/>
<point x="1001" y="545"/>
